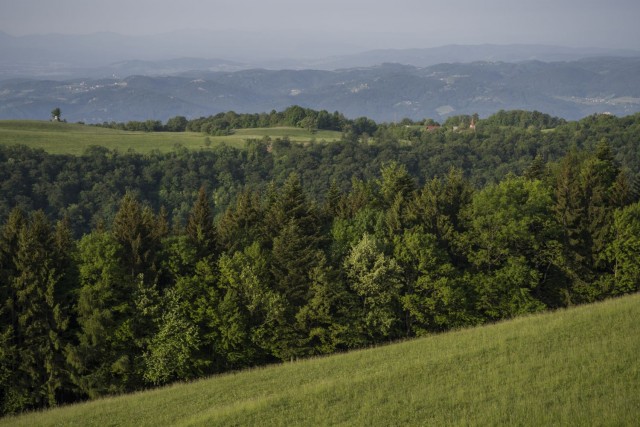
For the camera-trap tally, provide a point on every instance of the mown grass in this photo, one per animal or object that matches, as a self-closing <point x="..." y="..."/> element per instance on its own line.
<point x="571" y="367"/>
<point x="71" y="138"/>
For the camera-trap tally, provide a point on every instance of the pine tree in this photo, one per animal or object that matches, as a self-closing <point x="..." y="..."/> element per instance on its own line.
<point x="103" y="358"/>
<point x="12" y="397"/>
<point x="241" y="224"/>
<point x="395" y="182"/>
<point x="294" y="254"/>
<point x="200" y="228"/>
<point x="570" y="210"/>
<point x="139" y="231"/>
<point x="289" y="204"/>
<point x="295" y="245"/>
<point x="537" y="168"/>
<point x="326" y="321"/>
<point x="332" y="200"/>
<point x="34" y="342"/>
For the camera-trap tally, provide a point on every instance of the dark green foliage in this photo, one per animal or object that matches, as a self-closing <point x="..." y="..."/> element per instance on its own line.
<point x="237" y="226"/>
<point x="177" y="124"/>
<point x="200" y="228"/>
<point x="524" y="119"/>
<point x="32" y="362"/>
<point x="588" y="191"/>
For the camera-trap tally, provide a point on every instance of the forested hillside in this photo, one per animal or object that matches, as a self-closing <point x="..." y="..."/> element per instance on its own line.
<point x="121" y="271"/>
<point x="386" y="92"/>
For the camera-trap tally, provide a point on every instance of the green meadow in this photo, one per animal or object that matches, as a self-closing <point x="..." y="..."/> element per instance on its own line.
<point x="579" y="366"/>
<point x="71" y="138"/>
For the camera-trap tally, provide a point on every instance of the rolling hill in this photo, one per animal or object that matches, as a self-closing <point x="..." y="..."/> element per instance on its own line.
<point x="388" y="92"/>
<point x="571" y="367"/>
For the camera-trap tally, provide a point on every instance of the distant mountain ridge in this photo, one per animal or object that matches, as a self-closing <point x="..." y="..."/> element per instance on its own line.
<point x="56" y="56"/>
<point x="386" y="92"/>
<point x="469" y="53"/>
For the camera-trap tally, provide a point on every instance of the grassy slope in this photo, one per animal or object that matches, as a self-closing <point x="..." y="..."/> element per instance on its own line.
<point x="69" y="138"/>
<point x="577" y="367"/>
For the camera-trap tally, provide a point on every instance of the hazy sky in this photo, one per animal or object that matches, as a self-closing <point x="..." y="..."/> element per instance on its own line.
<point x="396" y="23"/>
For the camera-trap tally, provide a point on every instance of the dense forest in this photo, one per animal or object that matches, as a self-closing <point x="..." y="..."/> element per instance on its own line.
<point x="121" y="271"/>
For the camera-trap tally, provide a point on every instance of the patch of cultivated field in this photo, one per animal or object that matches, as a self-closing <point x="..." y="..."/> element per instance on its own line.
<point x="71" y="138"/>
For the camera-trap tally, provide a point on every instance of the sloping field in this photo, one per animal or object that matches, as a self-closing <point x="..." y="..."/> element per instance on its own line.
<point x="70" y="138"/>
<point x="572" y="367"/>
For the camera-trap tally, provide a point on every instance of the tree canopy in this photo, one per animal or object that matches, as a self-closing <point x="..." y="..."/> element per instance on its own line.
<point x="121" y="271"/>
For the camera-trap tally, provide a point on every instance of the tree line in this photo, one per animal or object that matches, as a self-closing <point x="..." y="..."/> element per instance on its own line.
<point x="169" y="267"/>
<point x="225" y="123"/>
<point x="295" y="116"/>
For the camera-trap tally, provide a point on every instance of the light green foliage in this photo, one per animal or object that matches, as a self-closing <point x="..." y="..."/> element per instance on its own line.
<point x="347" y="232"/>
<point x="511" y="218"/>
<point x="375" y="278"/>
<point x="507" y="291"/>
<point x="327" y="319"/>
<point x="513" y="242"/>
<point x="395" y="182"/>
<point x="250" y="309"/>
<point x="624" y="251"/>
<point x="171" y="352"/>
<point x="179" y="257"/>
<point x="186" y="342"/>
<point x="434" y="295"/>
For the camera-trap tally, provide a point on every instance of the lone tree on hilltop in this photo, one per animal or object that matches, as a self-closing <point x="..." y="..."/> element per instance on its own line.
<point x="55" y="114"/>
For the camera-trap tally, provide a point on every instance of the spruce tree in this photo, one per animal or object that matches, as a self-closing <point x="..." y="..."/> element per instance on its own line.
<point x="200" y="227"/>
<point x="241" y="224"/>
<point x="102" y="359"/>
<point x="34" y="343"/>
<point x="12" y="397"/>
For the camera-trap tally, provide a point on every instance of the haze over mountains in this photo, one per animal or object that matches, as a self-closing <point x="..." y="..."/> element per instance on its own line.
<point x="110" y="77"/>
<point x="105" y="54"/>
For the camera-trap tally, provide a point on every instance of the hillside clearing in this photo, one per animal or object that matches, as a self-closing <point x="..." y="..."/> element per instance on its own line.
<point x="578" y="366"/>
<point x="71" y="138"/>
